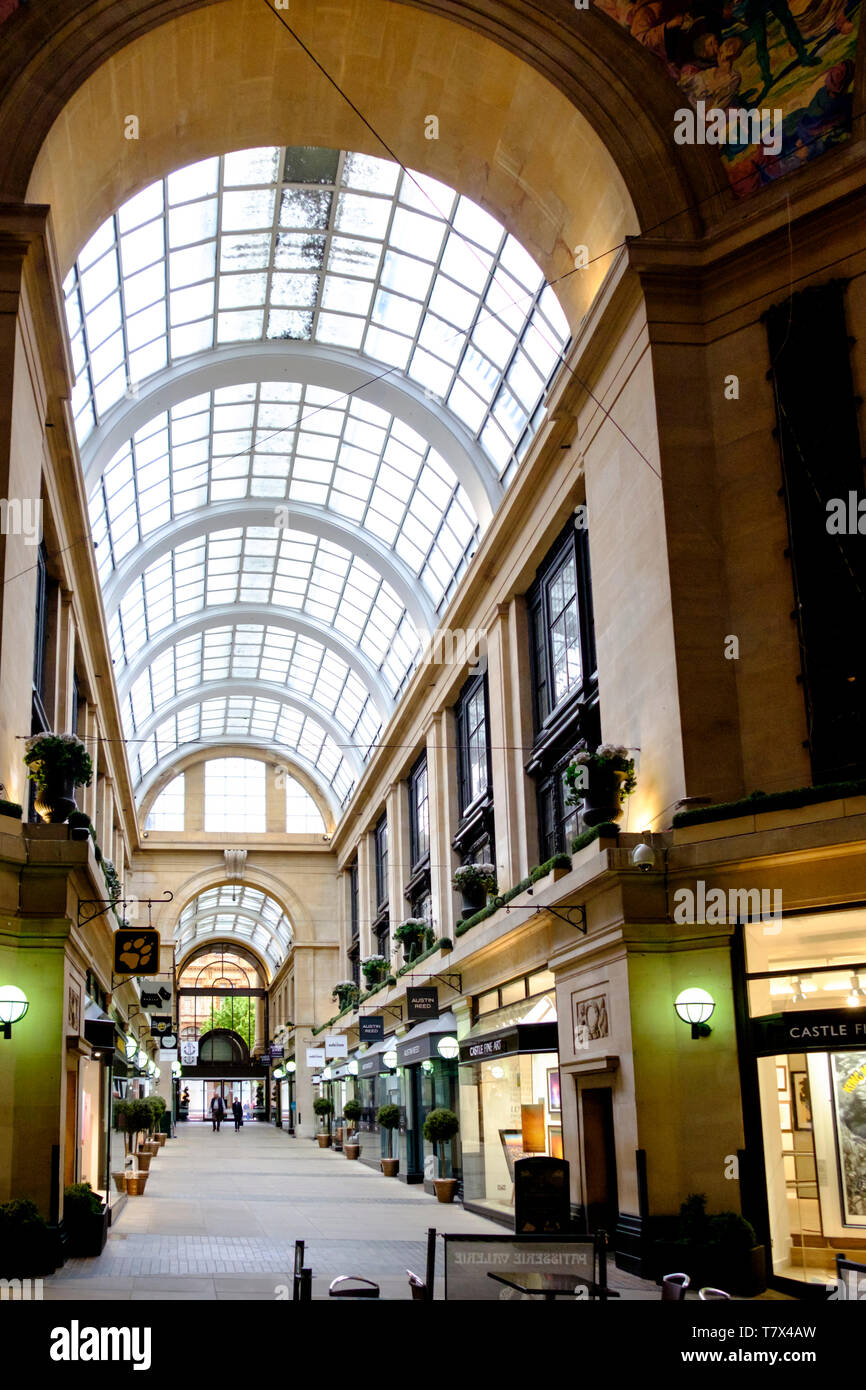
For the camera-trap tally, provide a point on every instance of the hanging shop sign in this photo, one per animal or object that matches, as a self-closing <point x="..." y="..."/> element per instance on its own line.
<point x="315" y="1056"/>
<point x="422" y="1002"/>
<point x="136" y="951"/>
<point x="276" y="1051"/>
<point x="371" y="1028"/>
<point x="156" y="994"/>
<point x="160" y="1024"/>
<point x="189" y="1051"/>
<point x="809" y="1030"/>
<point x="336" y="1045"/>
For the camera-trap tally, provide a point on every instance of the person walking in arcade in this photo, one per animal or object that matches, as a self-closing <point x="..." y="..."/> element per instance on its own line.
<point x="217" y="1111"/>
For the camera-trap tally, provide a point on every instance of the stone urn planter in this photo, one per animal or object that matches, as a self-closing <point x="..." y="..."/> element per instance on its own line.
<point x="144" y="1161"/>
<point x="135" y="1184"/>
<point x="119" y="1180"/>
<point x="323" y="1141"/>
<point x="55" y="801"/>
<point x="160" y="1139"/>
<point x="602" y="799"/>
<point x="446" y="1189"/>
<point x="390" y="1166"/>
<point x="352" y="1150"/>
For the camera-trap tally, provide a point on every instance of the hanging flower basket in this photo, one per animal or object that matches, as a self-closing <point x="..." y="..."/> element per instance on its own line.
<point x="601" y="781"/>
<point x="412" y="934"/>
<point x="57" y="763"/>
<point x="374" y="970"/>
<point x="475" y="883"/>
<point x="346" y="993"/>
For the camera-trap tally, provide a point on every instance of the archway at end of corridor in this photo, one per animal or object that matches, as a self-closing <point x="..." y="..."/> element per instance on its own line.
<point x="222" y="998"/>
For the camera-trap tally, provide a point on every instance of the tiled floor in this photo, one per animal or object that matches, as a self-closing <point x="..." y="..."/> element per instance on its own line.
<point x="222" y="1212"/>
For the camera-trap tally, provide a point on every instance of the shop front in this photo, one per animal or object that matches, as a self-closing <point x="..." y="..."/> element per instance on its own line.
<point x="427" y="1070"/>
<point x="378" y="1084"/>
<point x="803" y="1061"/>
<point x="510" y="1105"/>
<point x="284" y="1096"/>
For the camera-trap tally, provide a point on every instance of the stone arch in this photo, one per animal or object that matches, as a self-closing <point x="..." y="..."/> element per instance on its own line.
<point x="551" y="119"/>
<point x="254" y="877"/>
<point x="202" y="755"/>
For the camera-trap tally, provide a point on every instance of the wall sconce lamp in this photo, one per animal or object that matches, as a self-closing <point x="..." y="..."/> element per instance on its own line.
<point x="290" y="1067"/>
<point x="279" y="1074"/>
<point x="448" y="1048"/>
<point x="13" y="1006"/>
<point x="353" y="1068"/>
<point x="390" y="1059"/>
<point x="695" y="1006"/>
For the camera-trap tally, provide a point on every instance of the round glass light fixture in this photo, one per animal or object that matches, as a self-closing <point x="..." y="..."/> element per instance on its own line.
<point x="390" y="1059"/>
<point x="427" y="1067"/>
<point x="498" y="1072"/>
<point x="695" y="1006"/>
<point x="290" y="1067"/>
<point x="353" y="1068"/>
<point x="131" y="1047"/>
<point x="448" y="1048"/>
<point x="279" y="1074"/>
<point x="13" y="1006"/>
<point x="326" y="1074"/>
<point x="857" y="998"/>
<point x="141" y="1059"/>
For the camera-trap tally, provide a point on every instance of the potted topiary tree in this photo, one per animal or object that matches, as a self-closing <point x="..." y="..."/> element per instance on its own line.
<point x="138" y="1116"/>
<point x="85" y="1219"/>
<point x="721" y="1250"/>
<point x="324" y="1108"/>
<point x="57" y="763"/>
<point x="440" y="1127"/>
<point x="388" y="1118"/>
<point x="352" y="1112"/>
<point x="475" y="883"/>
<point x="157" y="1105"/>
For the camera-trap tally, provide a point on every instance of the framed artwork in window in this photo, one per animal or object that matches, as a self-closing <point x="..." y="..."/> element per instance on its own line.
<point x="554" y="1093"/>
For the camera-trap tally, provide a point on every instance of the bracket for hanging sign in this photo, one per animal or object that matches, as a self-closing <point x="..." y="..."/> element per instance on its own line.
<point x="105" y="903"/>
<point x="458" y="988"/>
<point x="395" y="1009"/>
<point x="563" y="912"/>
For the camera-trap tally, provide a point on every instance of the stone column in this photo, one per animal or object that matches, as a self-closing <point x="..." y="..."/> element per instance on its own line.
<point x="90" y="736"/>
<point x="444" y="814"/>
<point x="65" y="664"/>
<point x="510" y="703"/>
<point x="398" y="855"/>
<point x="194" y="797"/>
<point x="366" y="892"/>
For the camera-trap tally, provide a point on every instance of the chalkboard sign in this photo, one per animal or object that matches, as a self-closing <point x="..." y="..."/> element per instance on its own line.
<point x="541" y="1199"/>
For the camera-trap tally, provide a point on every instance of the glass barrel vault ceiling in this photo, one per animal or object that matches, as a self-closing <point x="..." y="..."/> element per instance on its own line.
<point x="235" y="912"/>
<point x="343" y="252"/>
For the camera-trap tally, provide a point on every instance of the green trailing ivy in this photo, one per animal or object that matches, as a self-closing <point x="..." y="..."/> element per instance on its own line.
<point x="756" y="802"/>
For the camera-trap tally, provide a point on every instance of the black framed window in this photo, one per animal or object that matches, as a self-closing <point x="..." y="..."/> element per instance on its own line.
<point x="382" y="932"/>
<point x="419" y="813"/>
<point x="354" y="955"/>
<point x="76" y="703"/>
<point x="354" y="915"/>
<point x="557" y="820"/>
<point x="563" y="643"/>
<point x="380" y="837"/>
<point x="473" y="743"/>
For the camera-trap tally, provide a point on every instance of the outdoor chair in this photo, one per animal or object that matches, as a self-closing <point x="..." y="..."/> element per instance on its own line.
<point x="422" y="1289"/>
<point x="674" y="1287"/>
<point x="707" y="1295"/>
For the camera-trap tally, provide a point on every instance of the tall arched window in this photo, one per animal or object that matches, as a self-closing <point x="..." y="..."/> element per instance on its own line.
<point x="234" y="795"/>
<point x="167" y="812"/>
<point x="303" y="816"/>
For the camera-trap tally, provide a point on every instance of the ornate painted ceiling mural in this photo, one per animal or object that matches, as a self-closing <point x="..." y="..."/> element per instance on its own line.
<point x="790" y="59"/>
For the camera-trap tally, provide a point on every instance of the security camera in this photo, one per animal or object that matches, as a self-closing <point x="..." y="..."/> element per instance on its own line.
<point x="643" y="857"/>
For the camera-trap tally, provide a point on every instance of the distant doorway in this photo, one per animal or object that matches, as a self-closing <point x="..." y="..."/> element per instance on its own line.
<point x="599" y="1158"/>
<point x="202" y="1092"/>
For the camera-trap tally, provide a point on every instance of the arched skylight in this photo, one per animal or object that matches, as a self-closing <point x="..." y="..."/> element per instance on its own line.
<point x="304" y="380"/>
<point x="235" y="795"/>
<point x="303" y="816"/>
<point x="236" y="912"/>
<point x="252" y="720"/>
<point x="322" y="246"/>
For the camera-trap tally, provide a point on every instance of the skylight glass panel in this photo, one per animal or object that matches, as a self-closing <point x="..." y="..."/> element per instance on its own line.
<point x="310" y="244"/>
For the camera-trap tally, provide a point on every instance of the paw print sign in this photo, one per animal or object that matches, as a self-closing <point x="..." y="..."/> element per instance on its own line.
<point x="136" y="952"/>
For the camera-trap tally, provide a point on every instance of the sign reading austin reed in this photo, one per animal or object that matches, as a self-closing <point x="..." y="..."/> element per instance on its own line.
<point x="467" y="1263"/>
